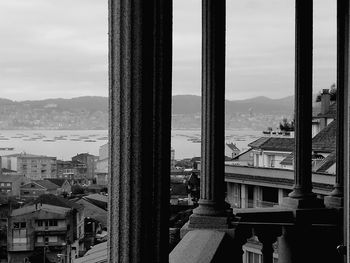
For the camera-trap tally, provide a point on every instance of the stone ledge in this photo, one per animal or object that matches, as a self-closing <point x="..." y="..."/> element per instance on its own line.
<point x="202" y="246"/>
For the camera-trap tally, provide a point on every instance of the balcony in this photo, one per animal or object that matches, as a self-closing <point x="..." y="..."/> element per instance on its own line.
<point x="306" y="228"/>
<point x="279" y="178"/>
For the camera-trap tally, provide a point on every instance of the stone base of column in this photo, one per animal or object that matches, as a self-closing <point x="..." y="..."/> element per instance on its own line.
<point x="206" y="222"/>
<point x="300" y="203"/>
<point x="333" y="201"/>
<point x="213" y="222"/>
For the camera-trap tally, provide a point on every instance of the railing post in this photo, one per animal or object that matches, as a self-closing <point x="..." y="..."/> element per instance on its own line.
<point x="302" y="196"/>
<point x="212" y="198"/>
<point x="267" y="236"/>
<point x="140" y="61"/>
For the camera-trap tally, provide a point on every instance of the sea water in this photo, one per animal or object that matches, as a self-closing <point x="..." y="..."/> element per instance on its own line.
<point x="64" y="144"/>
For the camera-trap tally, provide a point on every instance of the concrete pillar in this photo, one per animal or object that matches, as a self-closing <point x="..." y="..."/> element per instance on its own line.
<point x="302" y="195"/>
<point x="140" y="68"/>
<point x="257" y="196"/>
<point x="336" y="198"/>
<point x="281" y="195"/>
<point x="244" y="196"/>
<point x="211" y="202"/>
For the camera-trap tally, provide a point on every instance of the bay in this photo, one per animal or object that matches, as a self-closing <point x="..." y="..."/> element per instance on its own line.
<point x="64" y="144"/>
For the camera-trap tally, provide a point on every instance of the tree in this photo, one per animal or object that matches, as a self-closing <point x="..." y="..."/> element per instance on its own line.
<point x="287" y="126"/>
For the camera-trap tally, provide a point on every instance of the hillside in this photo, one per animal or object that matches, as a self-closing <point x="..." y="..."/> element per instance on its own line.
<point x="92" y="113"/>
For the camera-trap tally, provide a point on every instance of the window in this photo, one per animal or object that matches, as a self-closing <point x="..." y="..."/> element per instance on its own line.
<point x="53" y="222"/>
<point x="53" y="239"/>
<point x="8" y="184"/>
<point x="16" y="225"/>
<point x="19" y="236"/>
<point x="39" y="239"/>
<point x="2" y="184"/>
<point x="40" y="222"/>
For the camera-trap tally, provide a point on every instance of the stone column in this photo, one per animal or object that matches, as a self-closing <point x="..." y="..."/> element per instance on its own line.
<point x="302" y="196"/>
<point x="140" y="62"/>
<point x="336" y="197"/>
<point x="257" y="196"/>
<point x="244" y="196"/>
<point x="212" y="190"/>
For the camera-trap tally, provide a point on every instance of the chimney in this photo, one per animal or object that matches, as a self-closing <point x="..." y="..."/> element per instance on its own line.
<point x="325" y="101"/>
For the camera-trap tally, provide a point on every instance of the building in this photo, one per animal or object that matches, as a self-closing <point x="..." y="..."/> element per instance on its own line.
<point x="36" y="188"/>
<point x="90" y="162"/>
<point x="42" y="231"/>
<point x="73" y="171"/>
<point x="172" y="158"/>
<point x="34" y="167"/>
<point x="92" y="224"/>
<point x="101" y="173"/>
<point x="64" y="186"/>
<point x="271" y="151"/>
<point x="97" y="254"/>
<point x="308" y="229"/>
<point x="231" y="150"/>
<point x="244" y="158"/>
<point x="325" y="115"/>
<point x="10" y="184"/>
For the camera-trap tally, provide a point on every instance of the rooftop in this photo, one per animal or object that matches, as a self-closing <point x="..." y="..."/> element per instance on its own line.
<point x="10" y="178"/>
<point x="54" y="200"/>
<point x="96" y="254"/>
<point x="27" y="155"/>
<point x="325" y="140"/>
<point x="326" y="163"/>
<point x="57" y="181"/>
<point x="273" y="144"/>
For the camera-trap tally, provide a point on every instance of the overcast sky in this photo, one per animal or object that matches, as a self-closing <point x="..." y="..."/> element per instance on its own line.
<point x="53" y="48"/>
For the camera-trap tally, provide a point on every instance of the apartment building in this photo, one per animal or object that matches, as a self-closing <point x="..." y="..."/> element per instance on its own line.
<point x="42" y="231"/>
<point x="36" y="188"/>
<point x="73" y="171"/>
<point x="10" y="184"/>
<point x="34" y="167"/>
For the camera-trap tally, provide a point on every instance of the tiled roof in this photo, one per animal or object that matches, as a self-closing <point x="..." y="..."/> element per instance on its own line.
<point x="232" y="147"/>
<point x="97" y="254"/>
<point x="288" y="160"/>
<point x="54" y="200"/>
<point x="10" y="178"/>
<point x="273" y="144"/>
<point x="93" y="211"/>
<point x="326" y="163"/>
<point x="56" y="181"/>
<point x="27" y="155"/>
<point x="237" y="156"/>
<point x="46" y="184"/>
<point x="98" y="200"/>
<point x="5" y="170"/>
<point x="325" y="140"/>
<point x="30" y="208"/>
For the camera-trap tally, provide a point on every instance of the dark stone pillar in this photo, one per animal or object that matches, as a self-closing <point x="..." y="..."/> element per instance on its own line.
<point x="212" y="198"/>
<point x="302" y="196"/>
<point x="213" y="109"/>
<point x="336" y="197"/>
<point x="140" y="62"/>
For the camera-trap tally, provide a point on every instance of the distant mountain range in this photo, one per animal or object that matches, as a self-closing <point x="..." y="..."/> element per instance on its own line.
<point x="191" y="104"/>
<point x="92" y="112"/>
